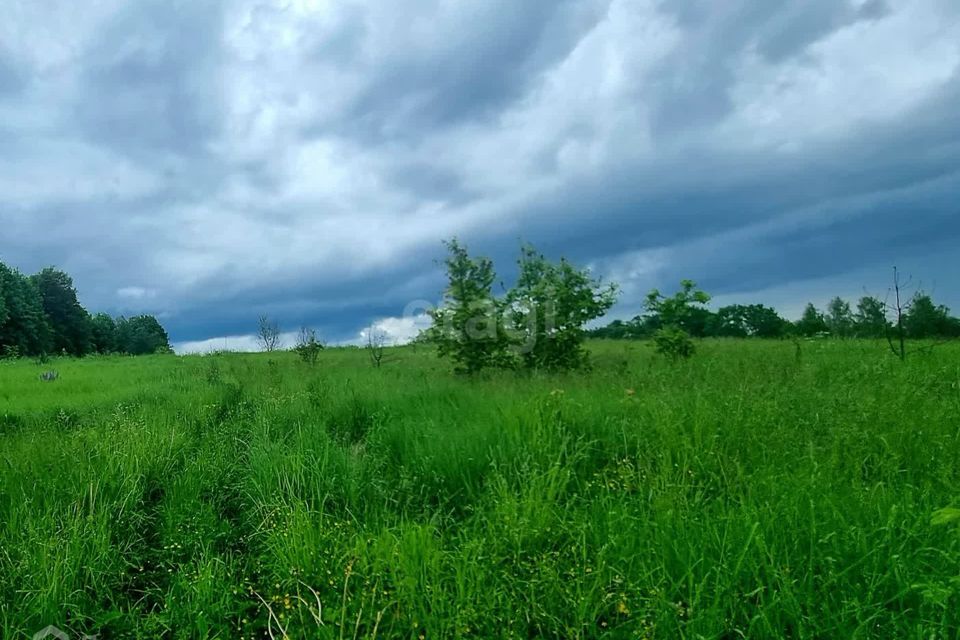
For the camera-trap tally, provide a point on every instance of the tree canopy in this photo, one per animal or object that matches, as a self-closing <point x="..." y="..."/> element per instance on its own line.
<point x="686" y="310"/>
<point x="41" y="314"/>
<point x="538" y="324"/>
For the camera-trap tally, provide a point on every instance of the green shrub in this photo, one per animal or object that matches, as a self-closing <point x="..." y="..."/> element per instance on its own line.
<point x="673" y="342"/>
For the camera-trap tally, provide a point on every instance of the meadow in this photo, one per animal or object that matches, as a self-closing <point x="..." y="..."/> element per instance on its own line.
<point x="751" y="492"/>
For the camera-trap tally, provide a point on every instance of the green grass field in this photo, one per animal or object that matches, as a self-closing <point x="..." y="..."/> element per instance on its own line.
<point x="743" y="494"/>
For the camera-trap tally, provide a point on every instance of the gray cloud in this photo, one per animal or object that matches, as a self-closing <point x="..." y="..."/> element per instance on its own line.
<point x="10" y="80"/>
<point x="211" y="161"/>
<point x="150" y="79"/>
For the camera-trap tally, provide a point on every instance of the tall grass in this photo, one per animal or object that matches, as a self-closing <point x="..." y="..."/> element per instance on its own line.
<point x="746" y="493"/>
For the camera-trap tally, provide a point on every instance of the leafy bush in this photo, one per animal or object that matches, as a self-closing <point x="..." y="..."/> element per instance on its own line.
<point x="549" y="307"/>
<point x="308" y="347"/>
<point x="539" y="324"/>
<point x="468" y="327"/>
<point x="673" y="342"/>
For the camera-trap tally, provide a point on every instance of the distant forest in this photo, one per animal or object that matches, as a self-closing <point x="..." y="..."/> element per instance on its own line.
<point x="40" y="315"/>
<point x="922" y="318"/>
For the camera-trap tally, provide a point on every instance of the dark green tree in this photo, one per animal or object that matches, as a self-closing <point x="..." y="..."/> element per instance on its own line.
<point x="839" y="318"/>
<point x="634" y="329"/>
<point x="812" y="322"/>
<point x="730" y="322"/>
<point x="103" y="331"/>
<point x="925" y="319"/>
<point x="644" y="326"/>
<point x="870" y="319"/>
<point x="4" y="313"/>
<point x="24" y="329"/>
<point x="699" y="321"/>
<point x="754" y="320"/>
<point x="141" y="335"/>
<point x="765" y="322"/>
<point x="69" y="322"/>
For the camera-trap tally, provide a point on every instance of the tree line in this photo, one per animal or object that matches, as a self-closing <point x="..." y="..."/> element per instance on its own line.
<point x="540" y="323"/>
<point x="40" y="315"/>
<point x="922" y="318"/>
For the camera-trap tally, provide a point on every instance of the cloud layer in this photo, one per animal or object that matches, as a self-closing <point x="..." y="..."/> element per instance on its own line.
<point x="212" y="161"/>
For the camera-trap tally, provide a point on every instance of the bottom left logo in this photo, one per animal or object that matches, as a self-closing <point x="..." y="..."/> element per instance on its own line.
<point x="51" y="632"/>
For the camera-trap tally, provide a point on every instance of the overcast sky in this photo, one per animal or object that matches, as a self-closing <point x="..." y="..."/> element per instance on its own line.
<point x="211" y="161"/>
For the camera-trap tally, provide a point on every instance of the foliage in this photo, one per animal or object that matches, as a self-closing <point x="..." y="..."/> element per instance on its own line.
<point x="4" y="312"/>
<point x="70" y="323"/>
<point x="812" y="322"/>
<point x="839" y="318"/>
<point x="870" y="319"/>
<point x="682" y="309"/>
<point x="41" y="314"/>
<point x="676" y="315"/>
<point x="548" y="308"/>
<point x="467" y="327"/>
<point x="141" y="335"/>
<point x="743" y="495"/>
<point x="9" y="352"/>
<point x="639" y="327"/>
<point x="673" y="342"/>
<point x="25" y="327"/>
<point x="921" y="319"/>
<point x="308" y="347"/>
<point x="103" y="333"/>
<point x="742" y="321"/>
<point x="925" y="319"/>
<point x="538" y="324"/>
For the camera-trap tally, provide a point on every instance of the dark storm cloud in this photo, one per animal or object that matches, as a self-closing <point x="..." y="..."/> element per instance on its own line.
<point x="695" y="80"/>
<point x="879" y="232"/>
<point x="500" y="48"/>
<point x="212" y="161"/>
<point x="151" y="79"/>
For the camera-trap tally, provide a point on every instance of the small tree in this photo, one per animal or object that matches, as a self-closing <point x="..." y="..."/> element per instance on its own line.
<point x="926" y="319"/>
<point x="678" y="309"/>
<point x="268" y="333"/>
<point x="917" y="317"/>
<point x="672" y="339"/>
<point x="549" y="307"/>
<point x="870" y="319"/>
<point x="674" y="342"/>
<point x="812" y="322"/>
<point x="308" y="347"/>
<point x="376" y="344"/>
<point x="839" y="318"/>
<point x="467" y="326"/>
<point x="898" y="308"/>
